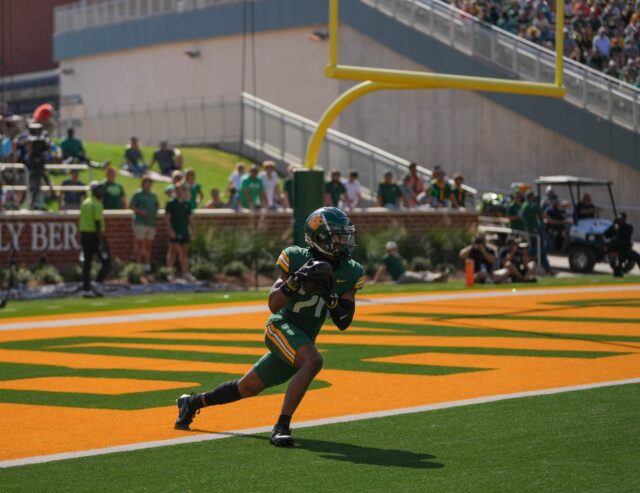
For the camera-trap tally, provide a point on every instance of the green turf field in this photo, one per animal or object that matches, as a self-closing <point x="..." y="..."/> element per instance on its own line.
<point x="73" y="305"/>
<point x="578" y="441"/>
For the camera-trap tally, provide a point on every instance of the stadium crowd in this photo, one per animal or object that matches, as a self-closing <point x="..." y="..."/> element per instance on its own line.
<point x="604" y="34"/>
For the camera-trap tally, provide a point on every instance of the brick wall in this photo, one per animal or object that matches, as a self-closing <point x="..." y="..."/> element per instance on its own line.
<point x="55" y="235"/>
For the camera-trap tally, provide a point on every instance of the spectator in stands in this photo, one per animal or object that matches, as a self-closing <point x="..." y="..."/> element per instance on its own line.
<point x="353" y="190"/>
<point x="335" y="193"/>
<point x="195" y="189"/>
<point x="235" y="178"/>
<point x="388" y="192"/>
<point x="441" y="194"/>
<point x="585" y="209"/>
<point x="416" y="183"/>
<point x="166" y="159"/>
<point x="550" y="195"/>
<point x="179" y="220"/>
<point x="287" y="187"/>
<point x="484" y="259"/>
<point x="72" y="148"/>
<point x="601" y="42"/>
<point x="514" y="258"/>
<point x="394" y="265"/>
<point x="251" y="192"/>
<point x="134" y="159"/>
<point x="114" y="196"/>
<point x="45" y="115"/>
<point x="514" y="212"/>
<point x="271" y="185"/>
<point x="72" y="200"/>
<point x="557" y="224"/>
<point x="93" y="240"/>
<point x="407" y="195"/>
<point x="216" y="201"/>
<point x="459" y="193"/>
<point x="532" y="216"/>
<point x="144" y="204"/>
<point x="176" y="177"/>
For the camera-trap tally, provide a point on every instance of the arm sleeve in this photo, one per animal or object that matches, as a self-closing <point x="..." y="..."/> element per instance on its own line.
<point x="342" y="314"/>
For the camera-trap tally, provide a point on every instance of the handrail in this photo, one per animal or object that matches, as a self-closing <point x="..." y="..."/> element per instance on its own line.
<point x="594" y="91"/>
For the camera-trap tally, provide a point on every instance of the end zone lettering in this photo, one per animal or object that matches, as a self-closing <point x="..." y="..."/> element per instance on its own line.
<point x="40" y="237"/>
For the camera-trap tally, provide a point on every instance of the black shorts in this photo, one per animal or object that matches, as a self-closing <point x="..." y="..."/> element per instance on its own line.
<point x="181" y="239"/>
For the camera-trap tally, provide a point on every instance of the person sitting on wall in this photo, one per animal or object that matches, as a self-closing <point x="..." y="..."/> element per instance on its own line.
<point x="353" y="190"/>
<point x="388" y="192"/>
<point x="440" y="193"/>
<point x="459" y="193"/>
<point x="394" y="265"/>
<point x="408" y="197"/>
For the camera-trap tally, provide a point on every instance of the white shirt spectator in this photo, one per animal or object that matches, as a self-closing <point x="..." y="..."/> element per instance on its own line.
<point x="270" y="181"/>
<point x="235" y="179"/>
<point x="353" y="193"/>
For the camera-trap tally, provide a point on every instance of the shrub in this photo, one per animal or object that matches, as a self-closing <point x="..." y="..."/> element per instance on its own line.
<point x="420" y="264"/>
<point x="132" y="273"/>
<point x="204" y="271"/>
<point x="235" y="268"/>
<point x="47" y="274"/>
<point x="163" y="274"/>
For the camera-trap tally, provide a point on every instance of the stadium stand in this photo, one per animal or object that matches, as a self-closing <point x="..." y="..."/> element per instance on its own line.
<point x="603" y="34"/>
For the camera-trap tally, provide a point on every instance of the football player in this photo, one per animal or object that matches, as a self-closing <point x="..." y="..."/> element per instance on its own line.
<point x="314" y="281"/>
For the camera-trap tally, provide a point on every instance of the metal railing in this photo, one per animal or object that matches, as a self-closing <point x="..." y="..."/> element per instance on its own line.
<point x="95" y="13"/>
<point x="589" y="89"/>
<point x="248" y="125"/>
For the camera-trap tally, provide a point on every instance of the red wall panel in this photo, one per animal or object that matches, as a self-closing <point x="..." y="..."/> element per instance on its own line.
<point x="26" y="31"/>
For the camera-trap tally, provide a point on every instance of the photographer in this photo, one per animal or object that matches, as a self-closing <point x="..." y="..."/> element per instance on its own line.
<point x="36" y="152"/>
<point x="620" y="246"/>
<point x="92" y="238"/>
<point x="515" y="259"/>
<point x="484" y="258"/>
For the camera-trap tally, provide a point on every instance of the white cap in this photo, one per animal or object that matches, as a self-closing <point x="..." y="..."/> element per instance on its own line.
<point x="391" y="245"/>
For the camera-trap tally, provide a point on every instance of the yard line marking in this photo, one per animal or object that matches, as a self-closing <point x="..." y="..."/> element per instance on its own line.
<point x="307" y="424"/>
<point x="244" y="309"/>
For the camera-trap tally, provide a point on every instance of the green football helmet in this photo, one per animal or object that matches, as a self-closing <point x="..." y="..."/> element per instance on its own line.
<point x="330" y="232"/>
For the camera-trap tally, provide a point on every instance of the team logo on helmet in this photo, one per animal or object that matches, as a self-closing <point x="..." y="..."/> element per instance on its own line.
<point x="315" y="221"/>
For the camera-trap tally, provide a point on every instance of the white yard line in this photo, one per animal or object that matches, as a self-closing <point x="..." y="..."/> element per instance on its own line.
<point x="237" y="310"/>
<point x="306" y="424"/>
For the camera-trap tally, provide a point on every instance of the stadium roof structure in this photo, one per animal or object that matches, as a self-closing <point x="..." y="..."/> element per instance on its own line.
<point x="570" y="180"/>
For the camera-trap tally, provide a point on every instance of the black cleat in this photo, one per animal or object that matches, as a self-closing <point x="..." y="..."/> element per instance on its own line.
<point x="281" y="437"/>
<point x="186" y="411"/>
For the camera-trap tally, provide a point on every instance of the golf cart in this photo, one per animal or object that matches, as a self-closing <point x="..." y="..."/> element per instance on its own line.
<point x="586" y="244"/>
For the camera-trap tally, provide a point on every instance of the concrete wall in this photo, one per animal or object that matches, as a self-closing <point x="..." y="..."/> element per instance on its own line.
<point x="464" y="131"/>
<point x="288" y="73"/>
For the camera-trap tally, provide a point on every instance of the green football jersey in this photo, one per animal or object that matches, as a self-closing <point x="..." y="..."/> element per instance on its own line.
<point x="309" y="311"/>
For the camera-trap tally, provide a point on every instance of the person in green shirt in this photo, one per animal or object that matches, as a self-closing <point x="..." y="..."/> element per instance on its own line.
<point x="179" y="221"/>
<point x="114" y="195"/>
<point x="144" y="204"/>
<point x="252" y="191"/>
<point x="394" y="265"/>
<point x="513" y="212"/>
<point x="92" y="239"/>
<point x="72" y="148"/>
<point x="195" y="189"/>
<point x="335" y="193"/>
<point x="388" y="192"/>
